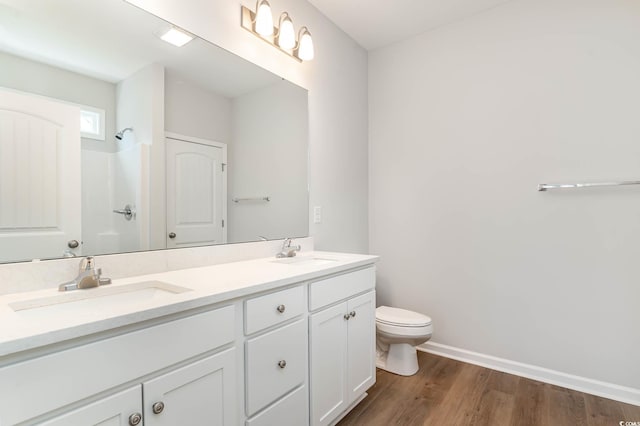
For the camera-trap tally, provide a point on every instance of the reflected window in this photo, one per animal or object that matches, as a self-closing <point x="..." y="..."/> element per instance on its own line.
<point x="92" y="123"/>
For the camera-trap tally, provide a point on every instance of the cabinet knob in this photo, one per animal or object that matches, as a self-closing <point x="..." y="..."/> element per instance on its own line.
<point x="282" y="364"/>
<point x="172" y="235"/>
<point x="347" y="316"/>
<point x="135" y="419"/>
<point x="73" y="244"/>
<point x="280" y="309"/>
<point x="157" y="407"/>
<point x="352" y="314"/>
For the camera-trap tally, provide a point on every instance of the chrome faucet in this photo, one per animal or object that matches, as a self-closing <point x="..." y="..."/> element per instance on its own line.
<point x="88" y="277"/>
<point x="287" y="249"/>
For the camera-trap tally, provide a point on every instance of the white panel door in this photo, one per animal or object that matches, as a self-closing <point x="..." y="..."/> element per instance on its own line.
<point x="328" y="364"/>
<point x="195" y="199"/>
<point x="114" y="410"/>
<point x="40" y="204"/>
<point x="202" y="393"/>
<point x="361" y="342"/>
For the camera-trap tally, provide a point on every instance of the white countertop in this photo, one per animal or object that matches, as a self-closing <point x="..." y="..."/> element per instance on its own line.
<point x="33" y="328"/>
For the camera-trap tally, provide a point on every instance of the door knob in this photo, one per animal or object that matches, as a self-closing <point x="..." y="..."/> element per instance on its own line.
<point x="172" y="235"/>
<point x="73" y="244"/>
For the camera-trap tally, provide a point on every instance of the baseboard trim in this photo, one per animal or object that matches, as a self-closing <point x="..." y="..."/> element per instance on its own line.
<point x="595" y="387"/>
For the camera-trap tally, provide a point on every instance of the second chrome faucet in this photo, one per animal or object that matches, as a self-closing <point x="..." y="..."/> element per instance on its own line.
<point x="88" y="277"/>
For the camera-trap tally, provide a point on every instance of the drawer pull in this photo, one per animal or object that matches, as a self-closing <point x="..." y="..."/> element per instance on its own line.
<point x="135" y="419"/>
<point x="347" y="316"/>
<point x="280" y="308"/>
<point x="352" y="314"/>
<point x="282" y="364"/>
<point x="158" y="407"/>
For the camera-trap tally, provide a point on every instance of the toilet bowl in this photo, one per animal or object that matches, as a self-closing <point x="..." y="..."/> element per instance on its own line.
<point x="398" y="332"/>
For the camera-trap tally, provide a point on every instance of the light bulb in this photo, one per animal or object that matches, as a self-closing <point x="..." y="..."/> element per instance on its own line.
<point x="286" y="34"/>
<point x="305" y="49"/>
<point x="264" y="19"/>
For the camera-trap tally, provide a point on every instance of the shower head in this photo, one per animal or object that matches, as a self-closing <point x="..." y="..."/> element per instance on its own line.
<point x="121" y="133"/>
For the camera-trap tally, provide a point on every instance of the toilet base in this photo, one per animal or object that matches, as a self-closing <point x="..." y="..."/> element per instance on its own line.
<point x="401" y="359"/>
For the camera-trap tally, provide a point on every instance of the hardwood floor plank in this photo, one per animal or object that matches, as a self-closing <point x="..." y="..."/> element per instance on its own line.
<point x="531" y="404"/>
<point x="602" y="411"/>
<point x="566" y="407"/>
<point x="446" y="392"/>
<point x="461" y="400"/>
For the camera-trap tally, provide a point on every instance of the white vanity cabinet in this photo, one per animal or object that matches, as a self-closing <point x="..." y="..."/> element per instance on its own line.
<point x="120" y="409"/>
<point x="342" y="343"/>
<point x="153" y="361"/>
<point x="294" y="354"/>
<point x="276" y="358"/>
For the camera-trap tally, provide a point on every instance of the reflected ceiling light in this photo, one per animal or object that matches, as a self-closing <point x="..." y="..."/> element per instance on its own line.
<point x="304" y="51"/>
<point x="263" y="19"/>
<point x="286" y="34"/>
<point x="176" y="37"/>
<point x="260" y="23"/>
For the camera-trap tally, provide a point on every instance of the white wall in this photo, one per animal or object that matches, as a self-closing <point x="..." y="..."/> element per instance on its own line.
<point x="193" y="111"/>
<point x="465" y="121"/>
<point x="268" y="158"/>
<point x="140" y="105"/>
<point x="337" y="84"/>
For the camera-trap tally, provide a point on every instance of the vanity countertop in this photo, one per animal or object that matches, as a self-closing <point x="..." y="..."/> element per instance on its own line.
<point x="32" y="328"/>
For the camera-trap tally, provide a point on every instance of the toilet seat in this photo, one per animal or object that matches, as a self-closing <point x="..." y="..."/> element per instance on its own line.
<point x="386" y="315"/>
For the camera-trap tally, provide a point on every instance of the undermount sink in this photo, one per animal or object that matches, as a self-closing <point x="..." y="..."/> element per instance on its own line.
<point x="305" y="261"/>
<point x="95" y="298"/>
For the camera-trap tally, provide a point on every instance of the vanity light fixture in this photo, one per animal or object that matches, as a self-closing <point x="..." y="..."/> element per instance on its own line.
<point x="176" y="37"/>
<point x="286" y="38"/>
<point x="283" y="37"/>
<point x="304" y="50"/>
<point x="263" y="19"/>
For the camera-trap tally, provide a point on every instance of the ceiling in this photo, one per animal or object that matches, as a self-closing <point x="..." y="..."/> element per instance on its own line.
<point x="378" y="23"/>
<point x="111" y="40"/>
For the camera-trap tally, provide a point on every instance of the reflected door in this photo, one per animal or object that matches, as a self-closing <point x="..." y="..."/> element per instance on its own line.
<point x="40" y="205"/>
<point x="196" y="193"/>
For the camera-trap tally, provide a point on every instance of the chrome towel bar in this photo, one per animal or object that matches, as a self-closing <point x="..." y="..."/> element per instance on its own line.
<point x="240" y="200"/>
<point x="547" y="186"/>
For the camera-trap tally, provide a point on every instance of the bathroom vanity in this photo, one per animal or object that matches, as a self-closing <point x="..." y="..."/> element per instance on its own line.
<point x="261" y="342"/>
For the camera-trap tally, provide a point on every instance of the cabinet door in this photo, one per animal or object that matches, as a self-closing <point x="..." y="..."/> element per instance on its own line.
<point x="113" y="410"/>
<point x="202" y="393"/>
<point x="328" y="363"/>
<point x="361" y="342"/>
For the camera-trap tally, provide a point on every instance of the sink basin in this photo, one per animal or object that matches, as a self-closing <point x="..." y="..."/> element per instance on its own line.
<point x="95" y="298"/>
<point x="305" y="261"/>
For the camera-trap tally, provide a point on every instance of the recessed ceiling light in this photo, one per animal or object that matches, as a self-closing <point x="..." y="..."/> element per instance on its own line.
<point x="176" y="37"/>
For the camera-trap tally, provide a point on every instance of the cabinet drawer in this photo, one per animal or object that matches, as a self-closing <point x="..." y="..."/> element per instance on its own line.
<point x="267" y="380"/>
<point x="101" y="365"/>
<point x="340" y="287"/>
<point x="265" y="311"/>
<point x="289" y="411"/>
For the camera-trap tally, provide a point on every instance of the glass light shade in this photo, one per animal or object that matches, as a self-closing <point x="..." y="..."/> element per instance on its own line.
<point x="286" y="35"/>
<point x="305" y="49"/>
<point x="264" y="19"/>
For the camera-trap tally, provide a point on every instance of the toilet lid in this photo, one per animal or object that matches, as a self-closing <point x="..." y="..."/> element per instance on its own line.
<point x="401" y="317"/>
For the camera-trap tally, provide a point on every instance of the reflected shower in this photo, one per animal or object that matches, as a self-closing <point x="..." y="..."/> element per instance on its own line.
<point x="121" y="133"/>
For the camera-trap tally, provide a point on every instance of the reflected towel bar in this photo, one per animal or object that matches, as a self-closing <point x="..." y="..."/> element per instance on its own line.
<point x="240" y="200"/>
<point x="546" y="186"/>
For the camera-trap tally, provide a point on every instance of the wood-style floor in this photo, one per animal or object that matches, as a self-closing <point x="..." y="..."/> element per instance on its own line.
<point x="446" y="392"/>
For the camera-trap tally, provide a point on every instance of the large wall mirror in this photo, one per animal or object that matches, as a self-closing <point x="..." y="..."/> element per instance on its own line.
<point x="114" y="140"/>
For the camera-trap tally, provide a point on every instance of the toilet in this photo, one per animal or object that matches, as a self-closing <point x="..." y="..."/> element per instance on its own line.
<point x="398" y="332"/>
